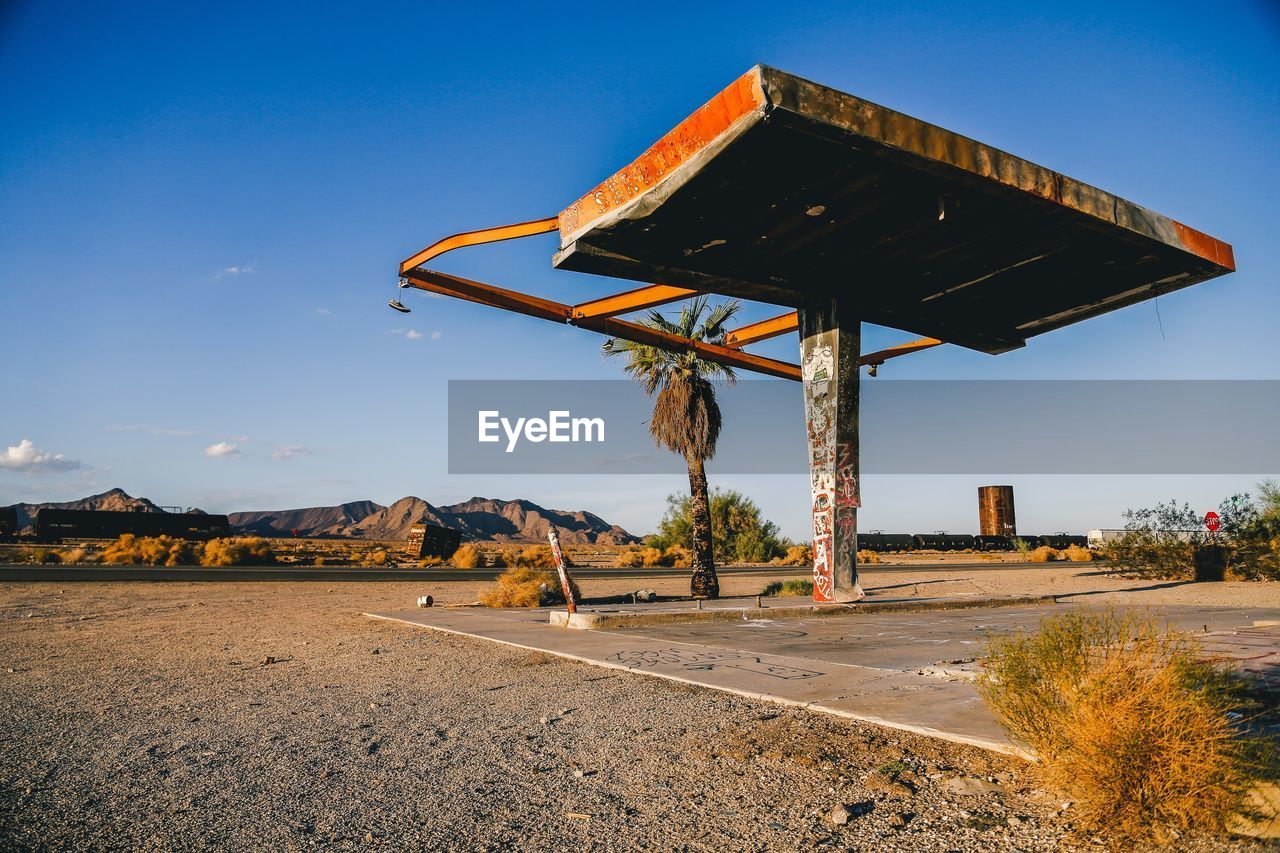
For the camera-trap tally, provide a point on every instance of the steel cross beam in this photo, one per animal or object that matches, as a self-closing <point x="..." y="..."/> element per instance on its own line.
<point x="600" y="315"/>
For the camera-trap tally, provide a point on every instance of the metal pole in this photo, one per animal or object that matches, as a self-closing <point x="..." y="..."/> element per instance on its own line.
<point x="561" y="568"/>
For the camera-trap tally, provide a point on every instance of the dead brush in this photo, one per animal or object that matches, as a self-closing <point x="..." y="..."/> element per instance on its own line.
<point x="250" y="551"/>
<point x="466" y="557"/>
<point x="535" y="557"/>
<point x="1077" y="554"/>
<point x="797" y="555"/>
<point x="868" y="557"/>
<point x="1128" y="724"/>
<point x="526" y="587"/>
<point x="131" y="550"/>
<point x="1043" y="554"/>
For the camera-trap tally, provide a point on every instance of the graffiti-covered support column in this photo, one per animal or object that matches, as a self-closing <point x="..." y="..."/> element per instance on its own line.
<point x="830" y="341"/>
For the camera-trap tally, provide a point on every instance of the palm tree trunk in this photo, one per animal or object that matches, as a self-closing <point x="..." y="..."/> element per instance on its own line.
<point x="704" y="582"/>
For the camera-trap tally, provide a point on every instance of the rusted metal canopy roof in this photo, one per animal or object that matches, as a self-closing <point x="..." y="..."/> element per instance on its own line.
<point x="782" y="190"/>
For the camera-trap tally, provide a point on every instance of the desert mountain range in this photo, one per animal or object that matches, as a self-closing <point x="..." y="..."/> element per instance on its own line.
<point x="486" y="519"/>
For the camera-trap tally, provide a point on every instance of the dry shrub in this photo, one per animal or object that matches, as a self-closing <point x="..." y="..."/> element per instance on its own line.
<point x="1128" y="724"/>
<point x="466" y="557"/>
<point x="789" y="587"/>
<point x="865" y="556"/>
<point x="535" y="557"/>
<point x="251" y="551"/>
<point x="629" y="558"/>
<point x="45" y="555"/>
<point x="430" y="562"/>
<point x="797" y="555"/>
<point x="377" y="558"/>
<point x="499" y="560"/>
<point x="678" y="556"/>
<point x="526" y="587"/>
<point x="76" y="555"/>
<point x="1076" y="554"/>
<point x="131" y="550"/>
<point x="319" y="561"/>
<point x="650" y="557"/>
<point x="1043" y="554"/>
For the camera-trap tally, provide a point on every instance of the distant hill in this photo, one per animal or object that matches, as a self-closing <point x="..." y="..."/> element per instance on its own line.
<point x="115" y="500"/>
<point x="313" y="521"/>
<point x="485" y="519"/>
<point x="478" y="518"/>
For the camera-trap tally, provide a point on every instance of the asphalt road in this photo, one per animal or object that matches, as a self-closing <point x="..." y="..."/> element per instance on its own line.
<point x="150" y="573"/>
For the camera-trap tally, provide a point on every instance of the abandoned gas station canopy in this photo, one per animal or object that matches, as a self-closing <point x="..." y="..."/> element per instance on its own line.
<point x="780" y="189"/>
<point x="784" y="191"/>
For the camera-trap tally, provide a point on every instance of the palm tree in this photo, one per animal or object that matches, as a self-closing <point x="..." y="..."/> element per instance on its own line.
<point x="686" y="418"/>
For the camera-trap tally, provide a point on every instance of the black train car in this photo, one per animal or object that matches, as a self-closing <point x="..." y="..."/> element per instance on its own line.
<point x="958" y="541"/>
<point x="993" y="543"/>
<point x="8" y="522"/>
<point x="1064" y="540"/>
<point x="930" y="541"/>
<point x="56" y="524"/>
<point x="883" y="543"/>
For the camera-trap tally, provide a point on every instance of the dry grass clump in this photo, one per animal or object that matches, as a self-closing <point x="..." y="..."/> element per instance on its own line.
<point x="678" y="556"/>
<point x="130" y="550"/>
<point x="466" y="557"/>
<point x="797" y="555"/>
<point x="252" y="551"/>
<point x="1128" y="724"/>
<point x="789" y="587"/>
<point x="1043" y="554"/>
<point x="865" y="556"/>
<point x="1076" y="554"/>
<point x="77" y="555"/>
<point x="629" y="558"/>
<point x="535" y="557"/>
<point x="526" y="587"/>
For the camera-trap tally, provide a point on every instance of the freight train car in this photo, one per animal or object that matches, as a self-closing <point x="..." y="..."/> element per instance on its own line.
<point x="884" y="543"/>
<point x="53" y="525"/>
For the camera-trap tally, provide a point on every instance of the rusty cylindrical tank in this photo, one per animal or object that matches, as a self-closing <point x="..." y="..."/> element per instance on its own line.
<point x="995" y="511"/>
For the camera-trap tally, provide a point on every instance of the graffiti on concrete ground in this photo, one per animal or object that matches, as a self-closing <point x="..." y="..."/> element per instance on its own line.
<point x="691" y="661"/>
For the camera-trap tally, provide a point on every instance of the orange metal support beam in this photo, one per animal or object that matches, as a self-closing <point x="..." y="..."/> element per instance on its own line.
<point x="763" y="330"/>
<point x="633" y="300"/>
<point x="881" y="356"/>
<point x="475" y="238"/>
<point x="546" y="309"/>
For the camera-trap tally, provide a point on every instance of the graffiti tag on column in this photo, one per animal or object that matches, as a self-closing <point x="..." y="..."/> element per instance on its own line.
<point x="847" y="495"/>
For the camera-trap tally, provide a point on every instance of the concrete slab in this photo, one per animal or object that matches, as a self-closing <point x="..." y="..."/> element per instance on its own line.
<point x="755" y="608"/>
<point x="903" y="670"/>
<point x="947" y="709"/>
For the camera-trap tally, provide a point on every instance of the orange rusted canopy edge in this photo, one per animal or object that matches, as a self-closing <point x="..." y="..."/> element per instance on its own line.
<point x="786" y="191"/>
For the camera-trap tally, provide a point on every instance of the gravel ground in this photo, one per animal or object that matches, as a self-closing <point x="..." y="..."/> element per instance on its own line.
<point x="273" y="716"/>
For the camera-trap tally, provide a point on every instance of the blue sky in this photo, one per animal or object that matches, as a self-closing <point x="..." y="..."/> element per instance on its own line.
<point x="202" y="209"/>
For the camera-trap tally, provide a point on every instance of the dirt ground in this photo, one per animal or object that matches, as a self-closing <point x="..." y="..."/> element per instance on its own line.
<point x="272" y="715"/>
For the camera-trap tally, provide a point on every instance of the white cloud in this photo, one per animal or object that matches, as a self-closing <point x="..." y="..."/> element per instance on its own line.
<point x="222" y="448"/>
<point x="243" y="269"/>
<point x="323" y="311"/>
<point x="413" y="335"/>
<point x="289" y="451"/>
<point x="435" y="336"/>
<point x="26" y="457"/>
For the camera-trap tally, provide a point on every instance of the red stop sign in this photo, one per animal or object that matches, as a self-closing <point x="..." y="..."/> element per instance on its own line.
<point x="1212" y="521"/>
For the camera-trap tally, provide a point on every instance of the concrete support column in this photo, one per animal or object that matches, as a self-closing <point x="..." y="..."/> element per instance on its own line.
<point x="830" y="343"/>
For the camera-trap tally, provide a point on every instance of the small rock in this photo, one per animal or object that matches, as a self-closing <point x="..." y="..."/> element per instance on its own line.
<point x="578" y="774"/>
<point x="268" y="660"/>
<point x="1014" y="821"/>
<point x="377" y="651"/>
<point x="900" y="820"/>
<point x="546" y="721"/>
<point x="843" y="813"/>
<point x="839" y="816"/>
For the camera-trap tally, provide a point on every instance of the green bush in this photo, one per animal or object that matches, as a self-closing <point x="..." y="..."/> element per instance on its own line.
<point x="740" y="533"/>
<point x="789" y="587"/>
